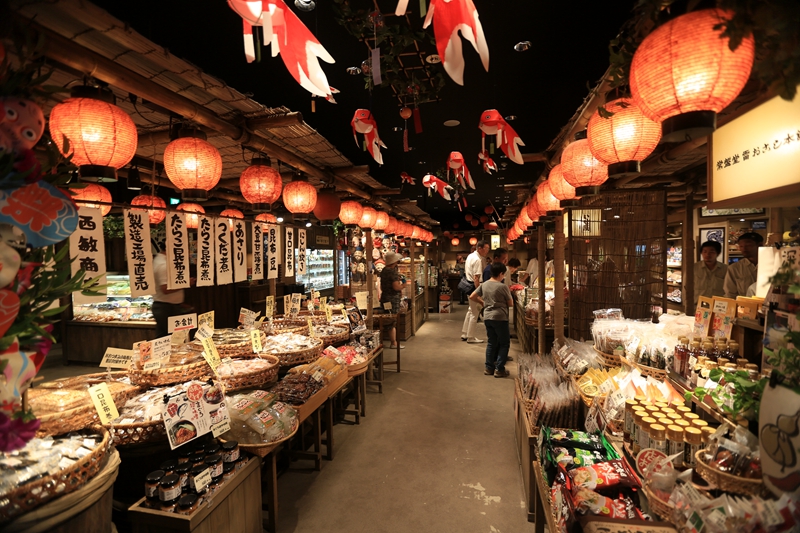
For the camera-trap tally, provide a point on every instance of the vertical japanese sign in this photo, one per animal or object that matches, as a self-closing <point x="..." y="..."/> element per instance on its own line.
<point x="139" y="252"/>
<point x="223" y="242"/>
<point x="257" y="266"/>
<point x="288" y="270"/>
<point x="239" y="250"/>
<point x="87" y="249"/>
<point x="177" y="252"/>
<point x="205" y="251"/>
<point x="273" y="252"/>
<point x="301" y="251"/>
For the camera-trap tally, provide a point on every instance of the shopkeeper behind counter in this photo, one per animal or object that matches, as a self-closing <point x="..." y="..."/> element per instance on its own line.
<point x="166" y="303"/>
<point x="742" y="274"/>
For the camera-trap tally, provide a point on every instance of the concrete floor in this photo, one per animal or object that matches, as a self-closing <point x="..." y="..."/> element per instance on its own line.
<point x="436" y="451"/>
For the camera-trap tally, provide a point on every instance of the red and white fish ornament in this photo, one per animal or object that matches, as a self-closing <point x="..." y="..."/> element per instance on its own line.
<point x="435" y="184"/>
<point x="289" y="37"/>
<point x="455" y="162"/>
<point x="449" y="17"/>
<point x="493" y="123"/>
<point x="364" y="122"/>
<point x="407" y="178"/>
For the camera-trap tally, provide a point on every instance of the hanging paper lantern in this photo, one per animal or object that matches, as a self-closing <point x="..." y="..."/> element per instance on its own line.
<point x="484" y="219"/>
<point x="266" y="217"/>
<point x="473" y="241"/>
<point x="526" y="220"/>
<point x="260" y="184"/>
<point x="488" y="210"/>
<point x="468" y="217"/>
<point x="149" y="200"/>
<point x="487" y="226"/>
<point x="191" y="211"/>
<point x="534" y="213"/>
<point x="193" y="165"/>
<point x="474" y="222"/>
<point x="102" y="137"/>
<point x="519" y="226"/>
<point x="350" y="212"/>
<point x="368" y="217"/>
<point x="623" y="140"/>
<point x="405" y="113"/>
<point x="455" y="241"/>
<point x="455" y="226"/>
<point x="581" y="169"/>
<point x="328" y="205"/>
<point x="299" y="196"/>
<point x="560" y="188"/>
<point x="544" y="197"/>
<point x="684" y="73"/>
<point x="91" y="194"/>
<point x="460" y="235"/>
<point x="231" y="213"/>
<point x="416" y="232"/>
<point x="382" y="221"/>
<point x="402" y="228"/>
<point x="447" y="234"/>
<point x="391" y="226"/>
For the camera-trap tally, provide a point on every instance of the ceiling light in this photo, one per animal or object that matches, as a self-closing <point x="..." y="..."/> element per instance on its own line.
<point x="522" y="46"/>
<point x="451" y="123"/>
<point x="433" y="59"/>
<point x="280" y="219"/>
<point x="305" y="5"/>
<point x="741" y="220"/>
<point x="420" y="162"/>
<point x="616" y="216"/>
<point x="308" y="224"/>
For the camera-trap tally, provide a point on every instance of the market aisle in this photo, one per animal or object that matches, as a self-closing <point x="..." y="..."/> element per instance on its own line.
<point x="435" y="453"/>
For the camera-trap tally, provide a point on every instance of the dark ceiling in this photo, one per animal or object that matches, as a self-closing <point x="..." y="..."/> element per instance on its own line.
<point x="542" y="87"/>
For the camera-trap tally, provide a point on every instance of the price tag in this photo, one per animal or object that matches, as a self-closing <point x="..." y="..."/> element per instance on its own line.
<point x="177" y="323"/>
<point x="316" y="294"/>
<point x="296" y="299"/>
<point x="143" y="351"/>
<point x="344" y="314"/>
<point x="311" y="330"/>
<point x="607" y="386"/>
<point x="206" y="318"/>
<point x="202" y="480"/>
<point x="323" y="302"/>
<point x="692" y="361"/>
<point x="220" y="428"/>
<point x="247" y="317"/>
<point x="103" y="402"/>
<point x="693" y="495"/>
<point x="287" y="304"/>
<point x="310" y="306"/>
<point x="317" y="376"/>
<point x="387" y="306"/>
<point x="162" y="348"/>
<point x="771" y="517"/>
<point x="720" y="308"/>
<point x="210" y="353"/>
<point x="151" y="365"/>
<point x="361" y="299"/>
<point x="270" y="309"/>
<point x="255" y="338"/>
<point x="616" y="398"/>
<point x="179" y="337"/>
<point x="117" y="358"/>
<point x="204" y="332"/>
<point x="328" y="314"/>
<point x="227" y="361"/>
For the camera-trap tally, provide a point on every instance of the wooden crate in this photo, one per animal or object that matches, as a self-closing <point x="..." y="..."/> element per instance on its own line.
<point x="236" y="508"/>
<point x="526" y="451"/>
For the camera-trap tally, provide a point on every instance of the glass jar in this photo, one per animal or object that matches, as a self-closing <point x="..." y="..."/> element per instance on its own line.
<point x="658" y="437"/>
<point x="199" y="447"/>
<point x="169" y="488"/>
<point x="197" y="459"/>
<point x="683" y="410"/>
<point x="213" y="449"/>
<point x="664" y="421"/>
<point x="674" y="417"/>
<point x="722" y="361"/>
<point x="693" y="439"/>
<point x="661" y="405"/>
<point x="228" y="471"/>
<point x="182" y="471"/>
<point x="629" y="405"/>
<point x="675" y="444"/>
<point x="214" y="464"/>
<point x="734" y="348"/>
<point x="196" y="471"/>
<point x="215" y="485"/>
<point x="699" y="424"/>
<point x="230" y="451"/>
<point x="169" y="506"/>
<point x="168" y="466"/>
<point x="644" y="436"/>
<point x="151" y="483"/>
<point x="184" y="454"/>
<point x="752" y="371"/>
<point x="682" y="423"/>
<point x="742" y="363"/>
<point x="188" y="504"/>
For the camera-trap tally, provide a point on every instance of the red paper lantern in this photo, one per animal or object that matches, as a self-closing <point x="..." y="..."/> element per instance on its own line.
<point x="474" y="222"/>
<point x="382" y="221"/>
<point x="581" y="169"/>
<point x="623" y="140"/>
<point x="455" y="241"/>
<point x="488" y="210"/>
<point x="446" y="234"/>
<point x="299" y="196"/>
<point x="484" y="219"/>
<point x="533" y="209"/>
<point x="260" y="184"/>
<point x="405" y="113"/>
<point x="468" y="217"/>
<point x="473" y="241"/>
<point x="266" y="217"/>
<point x="231" y="213"/>
<point x="526" y="220"/>
<point x="487" y="226"/>
<point x="416" y="232"/>
<point x="102" y="137"/>
<point x="559" y="187"/>
<point x="191" y="211"/>
<point x="149" y="200"/>
<point x="328" y="205"/>
<point x="91" y="194"/>
<point x="460" y="235"/>
<point x="520" y="226"/>
<point x="391" y="226"/>
<point x="404" y="229"/>
<point x="455" y="226"/>
<point x="193" y="165"/>
<point x="684" y="73"/>
<point x="350" y="212"/>
<point x="368" y="217"/>
<point x="544" y="197"/>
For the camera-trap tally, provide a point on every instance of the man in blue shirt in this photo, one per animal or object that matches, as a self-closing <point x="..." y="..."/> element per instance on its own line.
<point x="500" y="255"/>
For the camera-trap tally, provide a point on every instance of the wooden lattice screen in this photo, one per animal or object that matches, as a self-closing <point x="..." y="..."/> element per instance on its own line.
<point x="617" y="256"/>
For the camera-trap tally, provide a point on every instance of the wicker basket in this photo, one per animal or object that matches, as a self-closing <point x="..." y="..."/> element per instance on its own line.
<point x="251" y="380"/>
<point x="137" y="433"/>
<point x="59" y="422"/>
<point x="728" y="482"/>
<point x="608" y="360"/>
<point x="286" y="325"/>
<point x="171" y="374"/>
<point x="239" y="349"/>
<point x="300" y="357"/>
<point x="327" y="340"/>
<point x="658" y="506"/>
<point x="31" y="495"/>
<point x="262" y="450"/>
<point x="527" y="403"/>
<point x="649" y="371"/>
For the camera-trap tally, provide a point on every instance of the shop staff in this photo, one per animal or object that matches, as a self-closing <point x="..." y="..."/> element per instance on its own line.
<point x="709" y="274"/>
<point x="743" y="273"/>
<point x="474" y="273"/>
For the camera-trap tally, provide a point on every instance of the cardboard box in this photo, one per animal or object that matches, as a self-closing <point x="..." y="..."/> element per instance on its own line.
<point x="748" y="307"/>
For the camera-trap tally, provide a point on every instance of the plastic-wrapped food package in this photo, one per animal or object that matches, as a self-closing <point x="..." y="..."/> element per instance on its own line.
<point x="58" y="400"/>
<point x="256" y="421"/>
<point x="576" y="357"/>
<point x="288" y="342"/>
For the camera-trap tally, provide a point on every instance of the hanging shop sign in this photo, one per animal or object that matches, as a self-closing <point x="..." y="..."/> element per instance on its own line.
<point x="754" y="160"/>
<point x="177" y="252"/>
<point x="301" y="251"/>
<point x="88" y="252"/>
<point x="273" y="252"/>
<point x="322" y="239"/>
<point x="222" y="238"/>
<point x="288" y="270"/>
<point x="205" y="251"/>
<point x="257" y="252"/>
<point x="495" y="242"/>
<point x="139" y="252"/>
<point x="239" y="236"/>
<point x="586" y="222"/>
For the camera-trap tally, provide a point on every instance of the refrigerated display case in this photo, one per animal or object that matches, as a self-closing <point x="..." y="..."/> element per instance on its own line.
<point x="119" y="305"/>
<point x="319" y="270"/>
<point x="342" y="267"/>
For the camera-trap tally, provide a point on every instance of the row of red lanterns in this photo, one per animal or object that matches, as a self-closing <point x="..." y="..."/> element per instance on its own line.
<point x="352" y="213"/>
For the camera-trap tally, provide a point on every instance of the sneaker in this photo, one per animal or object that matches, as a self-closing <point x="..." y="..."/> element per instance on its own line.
<point x="463" y="338"/>
<point x="488" y="372"/>
<point x="395" y="347"/>
<point x="475" y="340"/>
<point x="501" y="373"/>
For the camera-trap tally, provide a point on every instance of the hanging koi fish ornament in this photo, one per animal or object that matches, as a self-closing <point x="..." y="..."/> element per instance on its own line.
<point x="330" y="97"/>
<point x="486" y="162"/>
<point x="449" y="17"/>
<point x="364" y="122"/>
<point x="406" y="178"/>
<point x="456" y="163"/>
<point x="435" y="184"/>
<point x="289" y="37"/>
<point x="493" y="123"/>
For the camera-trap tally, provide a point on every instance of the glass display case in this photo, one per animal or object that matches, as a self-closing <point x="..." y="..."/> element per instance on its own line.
<point x="343" y="267"/>
<point x="119" y="305"/>
<point x="319" y="270"/>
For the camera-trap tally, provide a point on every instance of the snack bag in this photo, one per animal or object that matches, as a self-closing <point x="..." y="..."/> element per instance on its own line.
<point x="576" y="439"/>
<point x="571" y="458"/>
<point x="610" y="474"/>
<point x="589" y="501"/>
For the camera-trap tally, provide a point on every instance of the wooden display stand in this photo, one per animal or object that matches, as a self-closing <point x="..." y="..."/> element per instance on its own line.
<point x="526" y="451"/>
<point x="236" y="508"/>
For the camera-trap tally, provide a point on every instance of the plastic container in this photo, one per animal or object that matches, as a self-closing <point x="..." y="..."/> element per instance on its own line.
<point x="693" y="439"/>
<point x="675" y="444"/>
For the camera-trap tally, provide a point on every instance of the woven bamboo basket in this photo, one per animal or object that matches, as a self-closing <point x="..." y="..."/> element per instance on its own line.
<point x="660" y="507"/>
<point x="332" y="339"/>
<point x="59" y="422"/>
<point x="728" y="482"/>
<point x="649" y="371"/>
<point x="300" y="357"/>
<point x="171" y="374"/>
<point x="250" y="380"/>
<point x="262" y="450"/>
<point x="137" y="433"/>
<point x="527" y="403"/>
<point x="608" y="360"/>
<point x="238" y="349"/>
<point x="31" y="495"/>
<point x="286" y="325"/>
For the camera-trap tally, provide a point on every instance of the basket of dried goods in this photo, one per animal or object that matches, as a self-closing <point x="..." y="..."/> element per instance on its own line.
<point x="292" y="349"/>
<point x="50" y="467"/>
<point x="249" y="373"/>
<point x="259" y="423"/>
<point x="527" y="403"/>
<point x="235" y="342"/>
<point x="331" y="334"/>
<point x="608" y="360"/>
<point x="277" y="326"/>
<point x="185" y="363"/>
<point x="728" y="467"/>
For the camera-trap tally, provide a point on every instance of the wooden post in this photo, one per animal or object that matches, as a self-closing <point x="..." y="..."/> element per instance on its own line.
<point x="542" y="259"/>
<point x="558" y="267"/>
<point x="688" y="256"/>
<point x="427" y="280"/>
<point x="370" y="281"/>
<point x="664" y="245"/>
<point x="571" y="267"/>
<point x="413" y="304"/>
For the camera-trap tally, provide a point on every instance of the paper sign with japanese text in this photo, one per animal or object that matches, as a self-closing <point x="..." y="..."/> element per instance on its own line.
<point x="179" y="336"/>
<point x="193" y="413"/>
<point x="177" y="252"/>
<point x="301" y="251"/>
<point x="206" y="318"/>
<point x="255" y="339"/>
<point x="295" y="309"/>
<point x="270" y="307"/>
<point x="143" y="351"/>
<point x="247" y="317"/>
<point x="210" y="353"/>
<point x="257" y="252"/>
<point x="162" y="348"/>
<point x="328" y="313"/>
<point x="139" y="252"/>
<point x="288" y="265"/>
<point x="311" y="331"/>
<point x="361" y="299"/>
<point x="239" y="235"/>
<point x="175" y="323"/>
<point x="273" y="252"/>
<point x="205" y="251"/>
<point x="287" y="304"/>
<point x="103" y="402"/>
<point x="203" y="332"/>
<point x="117" y="358"/>
<point x="88" y="252"/>
<point x="224" y="253"/>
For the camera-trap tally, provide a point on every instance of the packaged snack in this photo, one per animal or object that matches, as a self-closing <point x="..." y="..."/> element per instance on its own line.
<point x="571" y="458"/>
<point x="576" y="439"/>
<point x="561" y="503"/>
<point x="589" y="501"/>
<point x="610" y="474"/>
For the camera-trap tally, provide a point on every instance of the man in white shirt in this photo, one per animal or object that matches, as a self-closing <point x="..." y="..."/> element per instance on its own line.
<point x="166" y="303"/>
<point x="474" y="273"/>
<point x="709" y="274"/>
<point x="743" y="273"/>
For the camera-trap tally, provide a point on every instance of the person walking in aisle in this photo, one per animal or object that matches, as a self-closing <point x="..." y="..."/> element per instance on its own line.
<point x="742" y="274"/>
<point x="474" y="273"/>
<point x="495" y="296"/>
<point x="391" y="287"/>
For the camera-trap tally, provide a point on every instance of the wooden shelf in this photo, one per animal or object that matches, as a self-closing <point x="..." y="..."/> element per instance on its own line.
<point x="710" y="410"/>
<point x="679" y="237"/>
<point x="674" y="265"/>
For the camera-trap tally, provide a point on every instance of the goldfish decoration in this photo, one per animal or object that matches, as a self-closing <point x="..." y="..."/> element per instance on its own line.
<point x="406" y="178"/>
<point x="456" y="163"/>
<point x="435" y="184"/>
<point x="289" y="37"/>
<point x="450" y="16"/>
<point x="486" y="162"/>
<point x="330" y="97"/>
<point x="364" y="122"/>
<point x="493" y="123"/>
